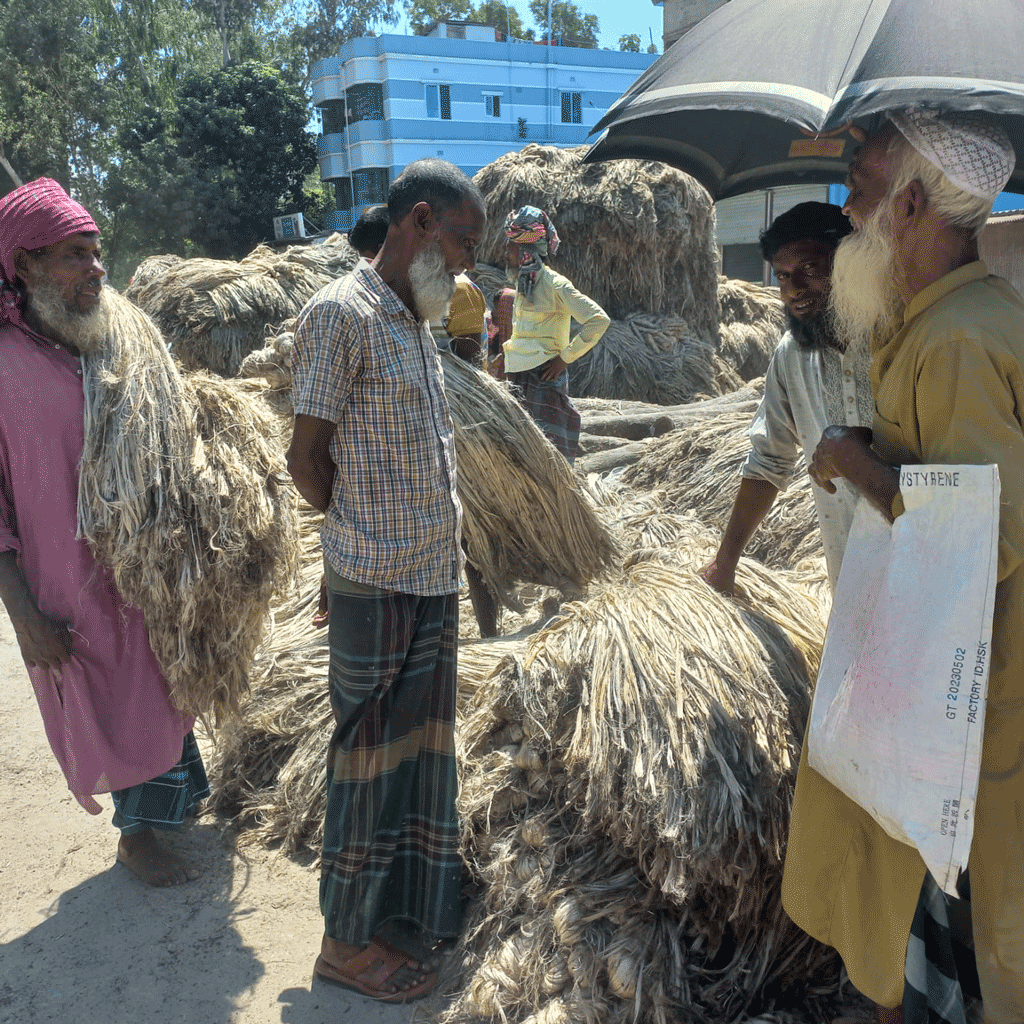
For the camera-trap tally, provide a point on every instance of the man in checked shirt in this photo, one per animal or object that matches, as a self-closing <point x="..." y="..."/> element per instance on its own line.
<point x="373" y="449"/>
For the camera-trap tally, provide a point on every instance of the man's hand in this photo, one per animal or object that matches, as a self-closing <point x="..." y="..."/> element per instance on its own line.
<point x="553" y="368"/>
<point x="719" y="575"/>
<point x="841" y="452"/>
<point x="44" y="642"/>
<point x="846" y="452"/>
<point x="321" y="617"/>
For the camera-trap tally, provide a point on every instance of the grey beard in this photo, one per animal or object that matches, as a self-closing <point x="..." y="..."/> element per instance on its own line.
<point x="85" y="331"/>
<point x="816" y="335"/>
<point x="432" y="286"/>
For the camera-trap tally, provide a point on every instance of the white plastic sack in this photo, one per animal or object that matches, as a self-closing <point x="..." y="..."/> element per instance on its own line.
<point x="899" y="707"/>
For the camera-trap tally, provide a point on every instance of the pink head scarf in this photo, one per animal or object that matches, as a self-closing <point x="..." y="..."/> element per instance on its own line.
<point x="37" y="214"/>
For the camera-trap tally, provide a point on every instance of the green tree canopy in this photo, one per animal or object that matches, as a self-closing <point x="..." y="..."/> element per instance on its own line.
<point x="568" y="23"/>
<point x="503" y="17"/>
<point x="423" y="13"/>
<point x="630" y="43"/>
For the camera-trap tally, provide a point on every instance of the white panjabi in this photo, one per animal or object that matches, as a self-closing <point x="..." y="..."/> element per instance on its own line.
<point x="969" y="147"/>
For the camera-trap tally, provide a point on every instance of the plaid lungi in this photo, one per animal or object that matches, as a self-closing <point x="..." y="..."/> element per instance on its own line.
<point x="391" y="830"/>
<point x="548" y="402"/>
<point x="166" y="801"/>
<point x="932" y="993"/>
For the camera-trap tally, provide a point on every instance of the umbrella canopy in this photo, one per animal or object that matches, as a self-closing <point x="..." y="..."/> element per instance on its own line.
<point x="738" y="100"/>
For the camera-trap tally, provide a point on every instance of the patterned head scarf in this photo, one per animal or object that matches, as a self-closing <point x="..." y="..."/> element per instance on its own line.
<point x="969" y="147"/>
<point x="533" y="232"/>
<point x="37" y="214"/>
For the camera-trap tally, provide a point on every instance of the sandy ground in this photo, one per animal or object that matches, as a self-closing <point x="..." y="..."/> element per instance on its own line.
<point x="83" y="942"/>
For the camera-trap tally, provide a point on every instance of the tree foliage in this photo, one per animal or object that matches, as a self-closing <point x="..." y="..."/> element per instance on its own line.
<point x="503" y="17"/>
<point x="423" y="13"/>
<point x="629" y="43"/>
<point x="569" y="25"/>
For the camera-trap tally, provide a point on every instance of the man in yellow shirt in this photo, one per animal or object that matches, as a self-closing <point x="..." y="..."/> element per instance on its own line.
<point x="949" y="388"/>
<point x="537" y="356"/>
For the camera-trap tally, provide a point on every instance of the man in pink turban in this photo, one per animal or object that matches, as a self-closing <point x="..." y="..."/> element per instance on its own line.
<point x="105" y="703"/>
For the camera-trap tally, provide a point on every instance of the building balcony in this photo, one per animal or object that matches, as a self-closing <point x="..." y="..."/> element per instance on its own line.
<point x="434" y="130"/>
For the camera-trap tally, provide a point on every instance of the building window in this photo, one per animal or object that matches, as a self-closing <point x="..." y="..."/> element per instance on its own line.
<point x="456" y="31"/>
<point x="439" y="101"/>
<point x="572" y="108"/>
<point x="493" y="104"/>
<point x="365" y="102"/>
<point x="333" y="112"/>
<point x="370" y="186"/>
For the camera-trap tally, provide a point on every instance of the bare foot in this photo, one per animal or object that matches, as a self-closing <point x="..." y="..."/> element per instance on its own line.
<point x="144" y="857"/>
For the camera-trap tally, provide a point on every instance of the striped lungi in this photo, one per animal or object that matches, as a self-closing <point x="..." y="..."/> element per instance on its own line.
<point x="166" y="801"/>
<point x="391" y="830"/>
<point x="935" y="963"/>
<point x="548" y="402"/>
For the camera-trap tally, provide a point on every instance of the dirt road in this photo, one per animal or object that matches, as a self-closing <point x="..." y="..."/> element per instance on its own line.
<point x="83" y="942"/>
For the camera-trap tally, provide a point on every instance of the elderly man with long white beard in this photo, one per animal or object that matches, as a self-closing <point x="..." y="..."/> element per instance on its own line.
<point x="104" y="699"/>
<point x="373" y="449"/>
<point x="949" y="388"/>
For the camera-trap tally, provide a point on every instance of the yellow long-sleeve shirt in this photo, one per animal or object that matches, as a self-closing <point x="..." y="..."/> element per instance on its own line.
<point x="540" y="324"/>
<point x="949" y="387"/>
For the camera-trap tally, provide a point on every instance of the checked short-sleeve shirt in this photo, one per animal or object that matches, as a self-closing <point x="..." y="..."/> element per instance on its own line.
<point x="362" y="361"/>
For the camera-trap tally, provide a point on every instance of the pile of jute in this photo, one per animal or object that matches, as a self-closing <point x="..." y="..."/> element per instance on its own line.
<point x="626" y="782"/>
<point x="525" y="516"/>
<point x="697" y="468"/>
<point x="183" y="496"/>
<point x="636" y="236"/>
<point x="215" y="312"/>
<point x="752" y="320"/>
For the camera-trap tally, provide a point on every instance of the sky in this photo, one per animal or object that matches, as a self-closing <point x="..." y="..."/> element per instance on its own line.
<point x="615" y="18"/>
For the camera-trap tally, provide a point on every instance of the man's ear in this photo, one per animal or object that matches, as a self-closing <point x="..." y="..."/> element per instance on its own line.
<point x="911" y="202"/>
<point x="22" y="264"/>
<point x="423" y="220"/>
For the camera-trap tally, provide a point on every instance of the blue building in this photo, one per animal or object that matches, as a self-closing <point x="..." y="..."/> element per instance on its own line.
<point x="458" y="93"/>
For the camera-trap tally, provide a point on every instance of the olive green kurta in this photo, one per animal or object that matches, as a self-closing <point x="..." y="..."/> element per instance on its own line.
<point x="949" y="388"/>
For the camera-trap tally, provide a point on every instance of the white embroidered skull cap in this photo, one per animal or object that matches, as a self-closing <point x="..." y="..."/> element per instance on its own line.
<point x="969" y="147"/>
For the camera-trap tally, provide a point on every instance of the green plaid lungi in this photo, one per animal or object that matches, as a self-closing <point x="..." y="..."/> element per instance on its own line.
<point x="391" y="830"/>
<point x="166" y="801"/>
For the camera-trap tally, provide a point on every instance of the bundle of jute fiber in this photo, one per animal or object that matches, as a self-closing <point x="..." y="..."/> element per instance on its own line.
<point x="752" y="320"/>
<point x="525" y="516"/>
<point x="636" y="235"/>
<point x="149" y="269"/>
<point x="697" y="467"/>
<point x="273" y="362"/>
<point x="625" y="793"/>
<point x="647" y="357"/>
<point x="215" y="312"/>
<point x="183" y="496"/>
<point x="490" y="280"/>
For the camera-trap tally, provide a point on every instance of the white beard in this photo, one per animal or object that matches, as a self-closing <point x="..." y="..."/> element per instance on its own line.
<point x="864" y="300"/>
<point x="85" y="331"/>
<point x="432" y="286"/>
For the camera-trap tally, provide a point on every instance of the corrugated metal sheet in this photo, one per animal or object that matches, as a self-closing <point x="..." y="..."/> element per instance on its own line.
<point x="1002" y="248"/>
<point x="741" y="219"/>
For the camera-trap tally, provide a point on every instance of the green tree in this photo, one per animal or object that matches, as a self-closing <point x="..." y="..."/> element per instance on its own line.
<point x="235" y="21"/>
<point x="243" y="131"/>
<point x="423" y="13"/>
<point x="318" y="28"/>
<point x="503" y="17"/>
<point x="568" y="23"/>
<point x="630" y="43"/>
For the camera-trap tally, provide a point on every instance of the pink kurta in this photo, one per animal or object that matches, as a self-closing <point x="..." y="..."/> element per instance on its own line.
<point x="107" y="714"/>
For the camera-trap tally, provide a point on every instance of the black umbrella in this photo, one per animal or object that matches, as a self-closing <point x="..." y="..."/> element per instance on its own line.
<point x="759" y="94"/>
